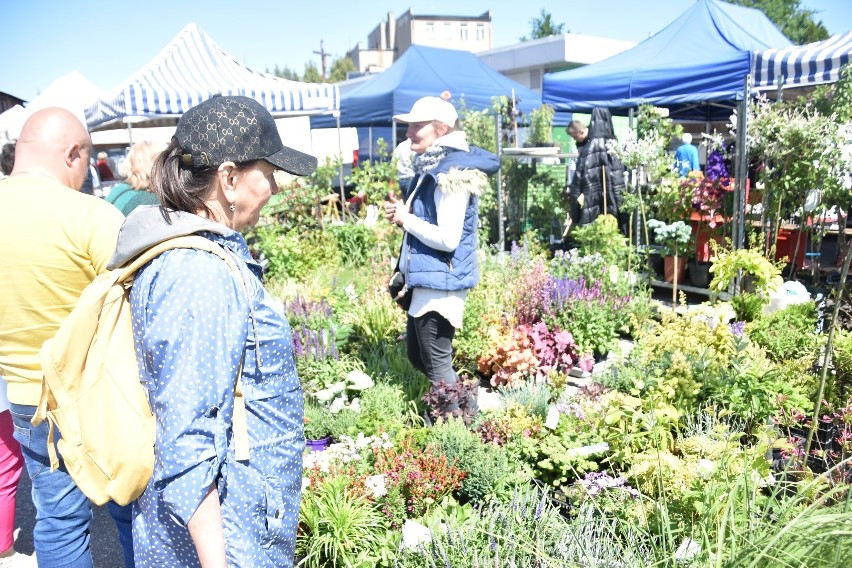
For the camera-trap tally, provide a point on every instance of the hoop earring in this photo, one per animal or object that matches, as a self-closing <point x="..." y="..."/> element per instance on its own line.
<point x="232" y="207"/>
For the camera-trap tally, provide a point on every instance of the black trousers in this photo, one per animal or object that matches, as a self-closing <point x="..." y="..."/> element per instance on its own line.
<point x="430" y="347"/>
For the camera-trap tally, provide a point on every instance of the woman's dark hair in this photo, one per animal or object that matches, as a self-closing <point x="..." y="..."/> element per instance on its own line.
<point x="7" y="158"/>
<point x="180" y="188"/>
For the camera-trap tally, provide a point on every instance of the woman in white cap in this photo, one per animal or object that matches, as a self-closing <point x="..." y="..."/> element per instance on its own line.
<point x="196" y="327"/>
<point x="439" y="250"/>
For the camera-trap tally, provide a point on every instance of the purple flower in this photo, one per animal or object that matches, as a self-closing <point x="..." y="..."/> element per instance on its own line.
<point x="737" y="328"/>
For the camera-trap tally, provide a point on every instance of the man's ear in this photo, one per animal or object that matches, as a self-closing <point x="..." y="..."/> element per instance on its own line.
<point x="72" y="154"/>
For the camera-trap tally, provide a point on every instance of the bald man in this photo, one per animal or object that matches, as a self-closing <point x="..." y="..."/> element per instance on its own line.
<point x="56" y="240"/>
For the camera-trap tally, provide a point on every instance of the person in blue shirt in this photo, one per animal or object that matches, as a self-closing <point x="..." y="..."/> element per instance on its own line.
<point x="196" y="327"/>
<point x="686" y="156"/>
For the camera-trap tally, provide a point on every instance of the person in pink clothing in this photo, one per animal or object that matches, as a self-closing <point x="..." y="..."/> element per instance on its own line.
<point x="11" y="464"/>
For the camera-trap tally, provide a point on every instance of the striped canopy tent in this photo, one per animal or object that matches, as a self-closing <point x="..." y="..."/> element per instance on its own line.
<point x="802" y="65"/>
<point x="191" y="69"/>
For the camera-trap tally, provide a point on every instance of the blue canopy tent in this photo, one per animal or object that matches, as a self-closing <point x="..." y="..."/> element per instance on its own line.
<point x="696" y="66"/>
<point x="423" y="71"/>
<point x="191" y="69"/>
<point x="803" y="65"/>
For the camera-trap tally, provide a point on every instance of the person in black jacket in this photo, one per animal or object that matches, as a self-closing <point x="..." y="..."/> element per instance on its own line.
<point x="595" y="166"/>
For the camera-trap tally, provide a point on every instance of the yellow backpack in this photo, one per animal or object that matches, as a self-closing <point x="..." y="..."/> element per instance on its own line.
<point x="91" y="390"/>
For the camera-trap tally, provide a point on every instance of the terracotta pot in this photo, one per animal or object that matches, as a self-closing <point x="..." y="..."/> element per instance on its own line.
<point x="670" y="268"/>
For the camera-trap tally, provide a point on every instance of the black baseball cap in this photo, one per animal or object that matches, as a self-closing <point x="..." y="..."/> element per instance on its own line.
<point x="236" y="129"/>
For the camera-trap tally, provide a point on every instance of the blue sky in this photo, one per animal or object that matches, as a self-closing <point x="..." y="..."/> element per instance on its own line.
<point x="108" y="41"/>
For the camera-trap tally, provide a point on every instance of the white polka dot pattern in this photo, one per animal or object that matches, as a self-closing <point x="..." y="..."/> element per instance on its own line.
<point x="192" y="327"/>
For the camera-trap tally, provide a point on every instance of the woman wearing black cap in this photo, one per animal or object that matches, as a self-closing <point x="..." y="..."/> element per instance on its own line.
<point x="197" y="327"/>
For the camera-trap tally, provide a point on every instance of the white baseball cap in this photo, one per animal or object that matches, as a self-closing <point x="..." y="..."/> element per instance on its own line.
<point x="428" y="109"/>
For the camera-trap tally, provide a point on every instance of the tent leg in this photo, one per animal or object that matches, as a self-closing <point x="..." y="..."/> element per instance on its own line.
<point x="741" y="167"/>
<point x="501" y="229"/>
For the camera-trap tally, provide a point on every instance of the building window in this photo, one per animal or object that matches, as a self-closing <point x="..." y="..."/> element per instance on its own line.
<point x="448" y="31"/>
<point x="430" y="30"/>
<point x="480" y="32"/>
<point x="463" y="32"/>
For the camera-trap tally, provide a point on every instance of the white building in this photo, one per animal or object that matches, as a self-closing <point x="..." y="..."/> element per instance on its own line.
<point x="527" y="62"/>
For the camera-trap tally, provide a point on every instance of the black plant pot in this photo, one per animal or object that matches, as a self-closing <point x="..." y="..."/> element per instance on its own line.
<point x="657" y="263"/>
<point x="699" y="273"/>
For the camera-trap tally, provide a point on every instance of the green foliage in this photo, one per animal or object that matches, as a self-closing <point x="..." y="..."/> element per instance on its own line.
<point x="483" y="312"/>
<point x="356" y="243"/>
<point x="793" y="19"/>
<point x="384" y="408"/>
<point x="802" y="149"/>
<point x="789" y="335"/>
<point x="378" y="178"/>
<point x="312" y="73"/>
<point x="319" y="421"/>
<point x="672" y="237"/>
<point x="338" y="527"/>
<point x="730" y="264"/>
<point x="488" y="472"/>
<point x="749" y="391"/>
<point x="602" y="236"/>
<point x="390" y="362"/>
<point x="292" y="253"/>
<point x="339" y="68"/>
<point x="541" y="126"/>
<point x="544" y="26"/>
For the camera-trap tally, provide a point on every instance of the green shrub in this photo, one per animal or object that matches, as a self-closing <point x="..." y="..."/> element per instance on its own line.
<point x="788" y="334"/>
<point x="486" y="466"/>
<point x="338" y="528"/>
<point x="292" y="253"/>
<point x="356" y="243"/>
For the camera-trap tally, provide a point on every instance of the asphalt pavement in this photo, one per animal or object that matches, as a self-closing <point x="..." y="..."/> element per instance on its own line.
<point x="106" y="550"/>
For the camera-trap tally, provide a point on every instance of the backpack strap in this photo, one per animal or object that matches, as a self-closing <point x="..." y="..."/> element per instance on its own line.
<point x="239" y="422"/>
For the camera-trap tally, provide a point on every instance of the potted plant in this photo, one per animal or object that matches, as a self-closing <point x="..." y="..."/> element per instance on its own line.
<point x="540" y="131"/>
<point x="673" y="239"/>
<point x="319" y="423"/>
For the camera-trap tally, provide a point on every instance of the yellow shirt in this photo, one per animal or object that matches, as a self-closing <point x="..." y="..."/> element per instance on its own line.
<point x="55" y="241"/>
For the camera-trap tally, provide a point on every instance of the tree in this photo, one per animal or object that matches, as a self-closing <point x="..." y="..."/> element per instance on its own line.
<point x="543" y="26"/>
<point x="285" y="73"/>
<point x="794" y="20"/>
<point x="312" y="74"/>
<point x="339" y="68"/>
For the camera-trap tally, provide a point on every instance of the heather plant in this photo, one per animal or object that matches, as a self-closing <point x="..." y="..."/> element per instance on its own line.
<point x="421" y="475"/>
<point x="531" y="291"/>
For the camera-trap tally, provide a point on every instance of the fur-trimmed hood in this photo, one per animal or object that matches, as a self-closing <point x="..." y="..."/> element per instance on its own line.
<point x="466" y="171"/>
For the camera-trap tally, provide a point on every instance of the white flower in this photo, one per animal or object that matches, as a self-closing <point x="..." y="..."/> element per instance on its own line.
<point x="376" y="485"/>
<point x="350" y="293"/>
<point x="552" y="420"/>
<point x="306" y="483"/>
<point x="705" y="468"/>
<point x="414" y="534"/>
<point x="687" y="550"/>
<point x="358" y="380"/>
<point x="613" y="273"/>
<point x="337" y="404"/>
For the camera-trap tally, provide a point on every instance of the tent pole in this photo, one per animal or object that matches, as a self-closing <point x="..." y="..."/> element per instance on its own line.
<point x="501" y="230"/>
<point x="129" y="135"/>
<point x="343" y="208"/>
<point x="741" y="167"/>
